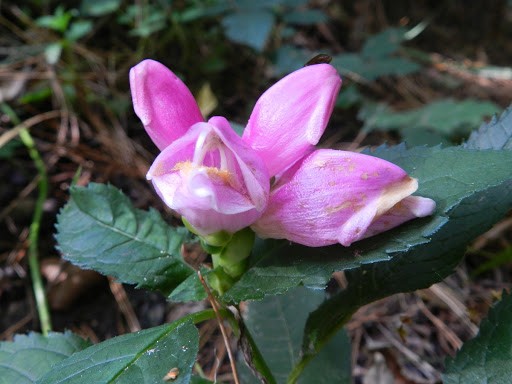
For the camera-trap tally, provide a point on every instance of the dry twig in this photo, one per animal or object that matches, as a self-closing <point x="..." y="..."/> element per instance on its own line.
<point x="215" y="307"/>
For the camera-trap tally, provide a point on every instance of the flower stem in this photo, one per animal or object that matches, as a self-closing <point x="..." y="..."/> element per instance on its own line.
<point x="215" y="307"/>
<point x="298" y="368"/>
<point x="237" y="325"/>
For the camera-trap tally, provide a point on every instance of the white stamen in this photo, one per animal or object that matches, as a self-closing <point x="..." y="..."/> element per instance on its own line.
<point x="223" y="158"/>
<point x="201" y="148"/>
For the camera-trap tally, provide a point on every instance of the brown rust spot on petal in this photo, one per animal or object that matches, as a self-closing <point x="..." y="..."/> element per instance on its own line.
<point x="340" y="207"/>
<point x="320" y="163"/>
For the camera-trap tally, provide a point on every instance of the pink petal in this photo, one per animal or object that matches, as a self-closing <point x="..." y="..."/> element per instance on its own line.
<point x="291" y="116"/>
<point x="334" y="197"/>
<point x="212" y="178"/>
<point x="409" y="208"/>
<point x="163" y="103"/>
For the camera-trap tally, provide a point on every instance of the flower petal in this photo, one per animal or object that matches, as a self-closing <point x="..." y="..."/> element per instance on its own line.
<point x="212" y="178"/>
<point x="163" y="103"/>
<point x="335" y="197"/>
<point x="291" y="116"/>
<point x="409" y="208"/>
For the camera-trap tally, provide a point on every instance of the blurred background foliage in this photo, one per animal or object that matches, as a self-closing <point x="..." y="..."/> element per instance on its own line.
<point x="423" y="71"/>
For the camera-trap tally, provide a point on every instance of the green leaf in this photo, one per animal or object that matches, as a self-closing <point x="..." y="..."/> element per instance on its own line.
<point x="238" y="128"/>
<point x="251" y="5"/>
<point x="427" y="263"/>
<point x="371" y="69"/>
<point x="190" y="289"/>
<point x="293" y="3"/>
<point x="305" y="17"/>
<point x="251" y="28"/>
<point x="496" y="261"/>
<point x="488" y="357"/>
<point x="99" y="7"/>
<point x="384" y="43"/>
<point x="349" y="96"/>
<point x="36" y="95"/>
<point x="469" y="196"/>
<point x="332" y="364"/>
<point x="377" y="58"/>
<point x="100" y="229"/>
<point x="276" y="324"/>
<point x="288" y="59"/>
<point x="29" y="357"/>
<point x="8" y="149"/>
<point x="145" y="19"/>
<point x="52" y="53"/>
<point x="59" y="21"/>
<point x="496" y="134"/>
<point x="141" y="357"/>
<point x="79" y="29"/>
<point x="200" y="380"/>
<point x="447" y="117"/>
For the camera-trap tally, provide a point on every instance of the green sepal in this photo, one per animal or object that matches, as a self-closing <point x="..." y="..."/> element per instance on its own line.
<point x="215" y="240"/>
<point x="219" y="280"/>
<point x="233" y="257"/>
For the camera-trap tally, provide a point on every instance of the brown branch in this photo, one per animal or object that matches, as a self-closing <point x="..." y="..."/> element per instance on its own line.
<point x="215" y="307"/>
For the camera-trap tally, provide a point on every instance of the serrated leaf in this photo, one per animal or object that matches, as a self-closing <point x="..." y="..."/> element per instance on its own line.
<point x="497" y="134"/>
<point x="470" y="198"/>
<point x="100" y="229"/>
<point x="141" y="357"/>
<point x="190" y="289"/>
<point x="488" y="357"/>
<point x="276" y="324"/>
<point x="446" y="117"/>
<point x="29" y="357"/>
<point x="251" y="28"/>
<point x="415" y="268"/>
<point x="377" y="58"/>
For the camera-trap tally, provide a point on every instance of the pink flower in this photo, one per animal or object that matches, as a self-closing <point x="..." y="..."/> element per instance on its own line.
<point x="221" y="182"/>
<point x="333" y="197"/>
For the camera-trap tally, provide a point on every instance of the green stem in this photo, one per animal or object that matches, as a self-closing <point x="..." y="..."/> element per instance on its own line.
<point x="199" y="317"/>
<point x="33" y="253"/>
<point x="257" y="359"/>
<point x="241" y="330"/>
<point x="298" y="368"/>
<point x="33" y="237"/>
